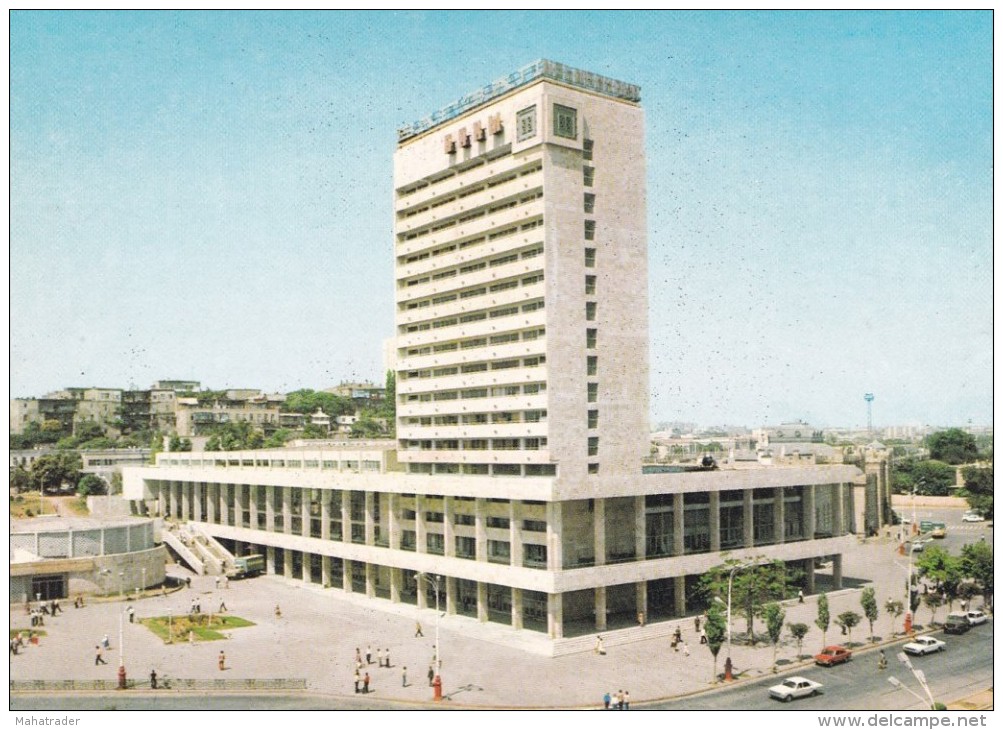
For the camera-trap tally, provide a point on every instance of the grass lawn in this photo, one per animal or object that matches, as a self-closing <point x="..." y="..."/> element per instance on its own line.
<point x="27" y="505"/>
<point x="203" y="626"/>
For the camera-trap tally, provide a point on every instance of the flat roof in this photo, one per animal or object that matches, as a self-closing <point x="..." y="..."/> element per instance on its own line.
<point x="541" y="68"/>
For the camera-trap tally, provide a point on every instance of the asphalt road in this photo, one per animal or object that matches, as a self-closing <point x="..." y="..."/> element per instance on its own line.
<point x="966" y="664"/>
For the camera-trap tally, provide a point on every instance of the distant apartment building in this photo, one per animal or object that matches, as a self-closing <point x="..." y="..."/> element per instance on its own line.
<point x="522" y="399"/>
<point x="362" y="394"/>
<point x="244" y="405"/>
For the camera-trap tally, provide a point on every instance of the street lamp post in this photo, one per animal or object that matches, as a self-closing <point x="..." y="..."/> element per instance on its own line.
<point x="433" y="580"/>
<point x="170" y="627"/>
<point x="121" y="584"/>
<point x="121" y="650"/>
<point x="920" y="677"/>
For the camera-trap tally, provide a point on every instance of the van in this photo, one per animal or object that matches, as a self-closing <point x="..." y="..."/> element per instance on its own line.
<point x="957" y="623"/>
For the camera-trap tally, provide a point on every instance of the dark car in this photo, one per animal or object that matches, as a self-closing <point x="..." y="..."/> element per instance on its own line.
<point x="957" y="623"/>
<point x="832" y="655"/>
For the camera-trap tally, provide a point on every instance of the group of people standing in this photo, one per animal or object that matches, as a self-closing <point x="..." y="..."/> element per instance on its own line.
<point x="362" y="678"/>
<point x="619" y="700"/>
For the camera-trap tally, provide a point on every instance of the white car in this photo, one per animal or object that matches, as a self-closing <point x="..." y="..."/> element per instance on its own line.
<point x="793" y="687"/>
<point x="924" y="645"/>
<point x="972" y="517"/>
<point x="976" y="617"/>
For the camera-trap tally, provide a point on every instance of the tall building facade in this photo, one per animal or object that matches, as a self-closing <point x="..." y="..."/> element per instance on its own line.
<point x="515" y="484"/>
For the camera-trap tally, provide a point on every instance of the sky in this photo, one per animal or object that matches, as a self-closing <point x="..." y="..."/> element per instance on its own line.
<point x="208" y="196"/>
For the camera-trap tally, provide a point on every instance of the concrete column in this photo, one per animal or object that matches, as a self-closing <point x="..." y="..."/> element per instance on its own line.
<point x="287" y="510"/>
<point x="394" y="520"/>
<point x="325" y="570"/>
<point x="370" y="518"/>
<point x="838" y="520"/>
<point x="253" y="491"/>
<point x="517" y="608"/>
<point x="346" y="515"/>
<point x="555" y="549"/>
<point x="305" y="516"/>
<point x="808" y="566"/>
<point x="270" y="508"/>
<point x="212" y="504"/>
<point x="679" y="594"/>
<point x="396" y="582"/>
<point x="641" y="593"/>
<point x="422" y="596"/>
<point x="305" y="567"/>
<point x="678" y="525"/>
<point x="778" y="514"/>
<point x="186" y="504"/>
<point x="748" y="517"/>
<point x="448" y="528"/>
<point x="515" y="533"/>
<point x="241" y="497"/>
<point x="451" y="595"/>
<point x="480" y="529"/>
<point x="420" y="526"/>
<point x="599" y="529"/>
<point x="837" y="572"/>
<point x="270" y="560"/>
<point x="287" y="563"/>
<point x="555" y="615"/>
<point x="715" y="522"/>
<point x="346" y="570"/>
<point x="808" y="503"/>
<point x="482" y="601"/>
<point x="325" y="515"/>
<point x="370" y="580"/>
<point x="600" y="610"/>
<point x="197" y="501"/>
<point x="640" y="529"/>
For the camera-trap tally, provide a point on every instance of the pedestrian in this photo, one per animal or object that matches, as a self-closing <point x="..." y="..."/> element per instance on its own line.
<point x="640" y="618"/>
<point x="278" y="612"/>
<point x="677" y="638"/>
<point x="226" y="581"/>
<point x="153" y="679"/>
<point x="599" y="648"/>
<point x="358" y="657"/>
<point x="132" y="615"/>
<point x="222" y="606"/>
<point x="217" y="582"/>
<point x="369" y="655"/>
<point x="800" y="596"/>
<point x="626" y="700"/>
<point x="605" y="701"/>
<point x="386" y="658"/>
<point x="365" y="684"/>
<point x="696" y="623"/>
<point x="379" y="657"/>
<point x="431" y="675"/>
<point x="76" y="602"/>
<point x="686" y="649"/>
<point x="98" y="659"/>
<point x="222" y="660"/>
<point x="703" y="635"/>
<point x="106" y="642"/>
<point x="417" y="629"/>
<point x="13" y="647"/>
<point x="358" y="678"/>
<point x="191" y="609"/>
<point x="619" y="700"/>
<point x="403" y="676"/>
<point x="188" y="581"/>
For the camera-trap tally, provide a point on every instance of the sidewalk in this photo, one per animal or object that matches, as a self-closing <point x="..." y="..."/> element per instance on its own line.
<point x="483" y="665"/>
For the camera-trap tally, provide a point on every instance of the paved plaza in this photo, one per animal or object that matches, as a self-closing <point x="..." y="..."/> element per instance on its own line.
<point x="483" y="665"/>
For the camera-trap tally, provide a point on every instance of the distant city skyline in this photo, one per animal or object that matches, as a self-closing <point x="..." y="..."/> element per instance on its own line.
<point x="207" y="195"/>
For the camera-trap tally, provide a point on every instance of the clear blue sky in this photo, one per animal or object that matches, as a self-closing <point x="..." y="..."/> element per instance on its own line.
<point x="208" y="196"/>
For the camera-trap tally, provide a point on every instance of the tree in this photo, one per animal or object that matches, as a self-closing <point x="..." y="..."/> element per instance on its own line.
<point x="823" y="615"/>
<point x="953" y="446"/>
<point x="308" y="401"/>
<point x="51" y="471"/>
<point x="869" y="603"/>
<point x="20" y="479"/>
<point x="277" y="439"/>
<point x="943" y="568"/>
<point x="933" y="601"/>
<point x="977" y="564"/>
<point x="752" y="585"/>
<point x="774" y="616"/>
<point x="179" y="444"/>
<point x="715" y="629"/>
<point x="929" y="477"/>
<point x="846" y="621"/>
<point x="894" y="609"/>
<point x="798" y="632"/>
<point x="979" y="489"/>
<point x="91" y="484"/>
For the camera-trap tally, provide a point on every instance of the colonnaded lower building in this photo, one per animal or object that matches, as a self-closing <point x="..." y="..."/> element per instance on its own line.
<point x="522" y="398"/>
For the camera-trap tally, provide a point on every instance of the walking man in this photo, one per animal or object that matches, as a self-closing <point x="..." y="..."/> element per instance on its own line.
<point x="431" y="675"/>
<point x="98" y="659"/>
<point x="387" y="658"/>
<point x="132" y="615"/>
<point x="106" y="642"/>
<point x="800" y="596"/>
<point x="417" y="629"/>
<point x="153" y="679"/>
<point x="404" y="676"/>
<point x="358" y="678"/>
<point x="222" y="660"/>
<point x="379" y="657"/>
<point x="369" y="655"/>
<point x="365" y="684"/>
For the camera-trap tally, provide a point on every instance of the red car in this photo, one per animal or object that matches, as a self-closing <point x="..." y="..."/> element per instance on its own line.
<point x="832" y="655"/>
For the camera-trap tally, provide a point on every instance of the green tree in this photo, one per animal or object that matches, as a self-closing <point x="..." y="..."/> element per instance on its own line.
<point x="20" y="479"/>
<point x="928" y="478"/>
<point x="390" y="400"/>
<point x="715" y="629"/>
<point x="278" y="438"/>
<point x="977" y="564"/>
<point x="894" y="609"/>
<point x="869" y="602"/>
<point x="979" y="489"/>
<point x="798" y="632"/>
<point x="940" y="566"/>
<point x="50" y="471"/>
<point x="822" y="621"/>
<point x="774" y="616"/>
<point x="952" y="446"/>
<point x="752" y="585"/>
<point x="91" y="484"/>
<point x="933" y="601"/>
<point x="115" y="483"/>
<point x="846" y="621"/>
<point x="307" y="401"/>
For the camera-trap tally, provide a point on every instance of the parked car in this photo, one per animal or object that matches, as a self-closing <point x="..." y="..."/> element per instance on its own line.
<point x="976" y="617"/>
<point x="794" y="687"/>
<point x="972" y="517"/>
<point x="920" y="543"/>
<point x="939" y="533"/>
<point x="957" y="623"/>
<point x="924" y="645"/>
<point x="832" y="655"/>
